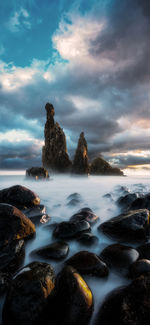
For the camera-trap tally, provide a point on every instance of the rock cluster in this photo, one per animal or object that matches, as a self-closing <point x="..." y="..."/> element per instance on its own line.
<point x="37" y="173"/>
<point x="55" y="156"/>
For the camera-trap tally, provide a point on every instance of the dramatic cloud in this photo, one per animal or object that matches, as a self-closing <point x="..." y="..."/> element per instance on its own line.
<point x="97" y="77"/>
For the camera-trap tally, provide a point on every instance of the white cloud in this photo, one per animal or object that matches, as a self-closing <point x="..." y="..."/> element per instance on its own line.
<point x="19" y="20"/>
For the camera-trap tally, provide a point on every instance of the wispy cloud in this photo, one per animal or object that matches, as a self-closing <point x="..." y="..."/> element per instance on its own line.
<point x="19" y="20"/>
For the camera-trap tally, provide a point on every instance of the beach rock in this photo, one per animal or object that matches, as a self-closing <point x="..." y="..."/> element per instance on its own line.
<point x="125" y="201"/>
<point x="88" y="239"/>
<point x="70" y="229"/>
<point x="5" y="280"/>
<point x="131" y="226"/>
<point x="85" y="214"/>
<point x="37" y="173"/>
<point x="127" y="306"/>
<point x="11" y="256"/>
<point x="37" y="214"/>
<point x="88" y="263"/>
<point x="99" y="166"/>
<point x="54" y="155"/>
<point x="56" y="251"/>
<point x="14" y="225"/>
<point x="74" y="196"/>
<point x="27" y="295"/>
<point x="71" y="302"/>
<point x="139" y="267"/>
<point x="73" y="202"/>
<point x="144" y="251"/>
<point x="19" y="196"/>
<point x="142" y="202"/>
<point x="119" y="257"/>
<point x="80" y="163"/>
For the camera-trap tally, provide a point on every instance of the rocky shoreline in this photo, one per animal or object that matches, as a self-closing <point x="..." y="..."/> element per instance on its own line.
<point x="36" y="294"/>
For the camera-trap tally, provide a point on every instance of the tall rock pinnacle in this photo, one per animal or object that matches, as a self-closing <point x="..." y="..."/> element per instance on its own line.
<point x="54" y="155"/>
<point x="80" y="163"/>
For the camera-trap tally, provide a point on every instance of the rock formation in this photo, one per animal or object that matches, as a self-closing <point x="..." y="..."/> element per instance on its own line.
<point x="80" y="163"/>
<point x="99" y="166"/>
<point x="54" y="155"/>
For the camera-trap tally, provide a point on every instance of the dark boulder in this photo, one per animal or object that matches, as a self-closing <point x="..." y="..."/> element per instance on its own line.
<point x="80" y="163"/>
<point x="88" y="239"/>
<point x="37" y="173"/>
<point x="12" y="256"/>
<point x="54" y="155"/>
<point x="27" y="295"/>
<point x="131" y="226"/>
<point x="144" y="251"/>
<point x="71" y="302"/>
<point x="119" y="257"/>
<point x="5" y="280"/>
<point x="88" y="263"/>
<point x="56" y="251"/>
<point x="37" y="214"/>
<point x="70" y="229"/>
<point x="75" y="196"/>
<point x="125" y="201"/>
<point x="127" y="306"/>
<point x="14" y="224"/>
<point x="85" y="214"/>
<point x="99" y="166"/>
<point x="142" y="202"/>
<point x="19" y="196"/>
<point x="139" y="267"/>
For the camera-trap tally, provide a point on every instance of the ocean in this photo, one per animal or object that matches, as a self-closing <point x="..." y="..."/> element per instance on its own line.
<point x="53" y="195"/>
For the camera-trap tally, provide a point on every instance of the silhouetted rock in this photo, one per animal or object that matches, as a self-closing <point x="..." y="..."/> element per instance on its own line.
<point x="80" y="164"/>
<point x="99" y="166"/>
<point x="19" y="196"/>
<point x="142" y="202"/>
<point x="55" y="251"/>
<point x="88" y="239"/>
<point x="14" y="224"/>
<point x="129" y="305"/>
<point x="55" y="156"/>
<point x="37" y="214"/>
<point x="88" y="263"/>
<point x="37" y="173"/>
<point x="125" y="201"/>
<point x="5" y="280"/>
<point x="71" y="302"/>
<point x="144" y="251"/>
<point x="119" y="257"/>
<point x="131" y="226"/>
<point x="27" y="295"/>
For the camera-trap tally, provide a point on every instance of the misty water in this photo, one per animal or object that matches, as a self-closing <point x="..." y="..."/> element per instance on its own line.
<point x="54" y="193"/>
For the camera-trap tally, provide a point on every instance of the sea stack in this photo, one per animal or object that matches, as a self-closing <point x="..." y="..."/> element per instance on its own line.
<point x="54" y="155"/>
<point x="80" y="163"/>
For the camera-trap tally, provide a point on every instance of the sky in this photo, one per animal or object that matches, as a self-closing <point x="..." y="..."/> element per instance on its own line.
<point x="90" y="59"/>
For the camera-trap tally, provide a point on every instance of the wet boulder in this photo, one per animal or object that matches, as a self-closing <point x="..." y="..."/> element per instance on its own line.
<point x="85" y="214"/>
<point x="119" y="257"/>
<point x="70" y="229"/>
<point x="37" y="173"/>
<point x="5" y="280"/>
<point x="88" y="263"/>
<point x="144" y="251"/>
<point x="14" y="224"/>
<point x="71" y="302"/>
<point x="37" y="214"/>
<point x="56" y="251"/>
<point x="88" y="239"/>
<point x="128" y="305"/>
<point x="27" y="295"/>
<point x="125" y="201"/>
<point x="142" y="202"/>
<point x="12" y="256"/>
<point x="74" y="199"/>
<point x="19" y="196"/>
<point x="131" y="226"/>
<point x="139" y="267"/>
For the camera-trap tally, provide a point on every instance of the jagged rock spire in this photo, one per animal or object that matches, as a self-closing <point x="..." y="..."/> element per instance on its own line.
<point x="80" y="163"/>
<point x="54" y="155"/>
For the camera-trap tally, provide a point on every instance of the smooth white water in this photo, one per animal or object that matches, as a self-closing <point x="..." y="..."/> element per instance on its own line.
<point x="54" y="195"/>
